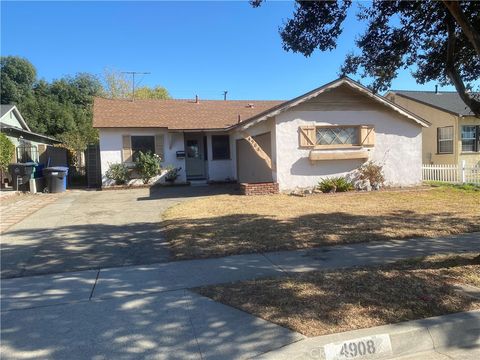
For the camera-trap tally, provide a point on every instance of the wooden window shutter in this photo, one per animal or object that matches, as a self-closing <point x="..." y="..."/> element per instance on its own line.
<point x="367" y="135"/>
<point x="127" y="148"/>
<point x="307" y="136"/>
<point x="159" y="141"/>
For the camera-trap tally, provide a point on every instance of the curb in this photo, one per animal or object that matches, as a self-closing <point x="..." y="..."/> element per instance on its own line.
<point x="460" y="330"/>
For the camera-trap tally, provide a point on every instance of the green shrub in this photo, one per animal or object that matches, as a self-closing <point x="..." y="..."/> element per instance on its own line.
<point x="7" y="149"/>
<point x="371" y="172"/>
<point x="119" y="173"/>
<point x="147" y="165"/>
<point x="172" y="173"/>
<point x="335" y="184"/>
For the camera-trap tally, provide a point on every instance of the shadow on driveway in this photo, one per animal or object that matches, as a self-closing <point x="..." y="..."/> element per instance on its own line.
<point x="91" y="230"/>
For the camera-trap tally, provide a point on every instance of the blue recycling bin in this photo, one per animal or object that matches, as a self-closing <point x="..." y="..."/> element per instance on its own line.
<point x="56" y="178"/>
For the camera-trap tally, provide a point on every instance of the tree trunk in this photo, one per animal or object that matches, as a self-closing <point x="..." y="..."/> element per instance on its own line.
<point x="472" y="34"/>
<point x="452" y="71"/>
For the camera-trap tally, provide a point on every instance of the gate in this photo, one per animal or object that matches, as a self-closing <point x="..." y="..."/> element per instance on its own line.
<point x="94" y="173"/>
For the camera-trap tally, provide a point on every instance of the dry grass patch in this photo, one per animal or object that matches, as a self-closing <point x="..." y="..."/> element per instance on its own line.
<point x="225" y="225"/>
<point x="320" y="303"/>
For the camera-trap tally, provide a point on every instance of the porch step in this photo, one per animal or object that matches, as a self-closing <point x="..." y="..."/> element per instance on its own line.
<point x="198" y="183"/>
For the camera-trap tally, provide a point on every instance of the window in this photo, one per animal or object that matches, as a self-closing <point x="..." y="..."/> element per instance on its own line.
<point x="337" y="135"/>
<point x="445" y="140"/>
<point x="144" y="144"/>
<point x="220" y="147"/>
<point x="470" y="138"/>
<point x="192" y="149"/>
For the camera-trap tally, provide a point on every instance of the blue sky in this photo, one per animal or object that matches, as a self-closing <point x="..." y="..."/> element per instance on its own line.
<point x="189" y="47"/>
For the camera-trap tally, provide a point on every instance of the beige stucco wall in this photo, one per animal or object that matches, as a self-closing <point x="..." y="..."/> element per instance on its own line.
<point x="471" y="158"/>
<point x="438" y="119"/>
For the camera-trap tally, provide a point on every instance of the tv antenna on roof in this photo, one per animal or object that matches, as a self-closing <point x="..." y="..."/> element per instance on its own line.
<point x="133" y="73"/>
<point x="225" y="92"/>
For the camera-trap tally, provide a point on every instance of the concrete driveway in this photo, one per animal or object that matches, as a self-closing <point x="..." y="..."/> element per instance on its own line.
<point x="93" y="229"/>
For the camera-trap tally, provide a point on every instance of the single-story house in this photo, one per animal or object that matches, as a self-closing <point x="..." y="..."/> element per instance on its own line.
<point x="329" y="131"/>
<point x="28" y="144"/>
<point x="455" y="132"/>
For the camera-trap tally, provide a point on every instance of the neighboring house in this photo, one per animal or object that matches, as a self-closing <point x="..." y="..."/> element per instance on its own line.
<point x="29" y="146"/>
<point x="329" y="131"/>
<point x="454" y="134"/>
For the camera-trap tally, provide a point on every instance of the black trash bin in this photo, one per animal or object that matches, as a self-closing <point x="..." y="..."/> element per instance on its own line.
<point x="56" y="178"/>
<point x="21" y="174"/>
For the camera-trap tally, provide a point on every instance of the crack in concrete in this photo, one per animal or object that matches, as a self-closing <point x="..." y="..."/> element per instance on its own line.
<point x="94" y="284"/>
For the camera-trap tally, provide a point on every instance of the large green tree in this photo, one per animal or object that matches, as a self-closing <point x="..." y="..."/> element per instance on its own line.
<point x="17" y="76"/>
<point x="62" y="108"/>
<point x="440" y="40"/>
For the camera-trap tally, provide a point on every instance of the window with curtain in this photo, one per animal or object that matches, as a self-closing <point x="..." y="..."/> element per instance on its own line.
<point x="470" y="138"/>
<point x="220" y="147"/>
<point x="445" y="140"/>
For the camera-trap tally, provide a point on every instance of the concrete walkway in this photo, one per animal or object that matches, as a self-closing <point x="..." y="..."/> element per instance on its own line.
<point x="63" y="288"/>
<point x="140" y="312"/>
<point x="170" y="325"/>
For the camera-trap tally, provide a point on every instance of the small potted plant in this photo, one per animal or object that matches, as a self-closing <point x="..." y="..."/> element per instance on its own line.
<point x="172" y="174"/>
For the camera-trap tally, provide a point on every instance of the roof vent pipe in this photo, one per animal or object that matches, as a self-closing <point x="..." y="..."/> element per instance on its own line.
<point x="436" y="89"/>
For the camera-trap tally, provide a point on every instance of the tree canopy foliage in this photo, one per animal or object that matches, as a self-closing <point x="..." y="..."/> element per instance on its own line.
<point x="63" y="107"/>
<point x="439" y="40"/>
<point x="17" y="78"/>
<point x="118" y="85"/>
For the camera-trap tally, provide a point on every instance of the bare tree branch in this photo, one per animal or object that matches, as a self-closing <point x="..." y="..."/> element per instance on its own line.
<point x="452" y="72"/>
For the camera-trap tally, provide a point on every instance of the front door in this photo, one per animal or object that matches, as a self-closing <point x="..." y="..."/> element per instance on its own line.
<point x="194" y="160"/>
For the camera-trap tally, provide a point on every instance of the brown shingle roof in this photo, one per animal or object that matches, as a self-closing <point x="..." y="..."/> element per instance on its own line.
<point x="175" y="114"/>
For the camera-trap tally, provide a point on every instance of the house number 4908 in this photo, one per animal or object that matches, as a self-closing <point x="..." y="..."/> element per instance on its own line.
<point x="360" y="348"/>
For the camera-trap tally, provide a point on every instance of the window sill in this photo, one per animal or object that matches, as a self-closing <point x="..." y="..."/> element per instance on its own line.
<point x="337" y="147"/>
<point x="470" y="153"/>
<point x="229" y="159"/>
<point x="449" y="153"/>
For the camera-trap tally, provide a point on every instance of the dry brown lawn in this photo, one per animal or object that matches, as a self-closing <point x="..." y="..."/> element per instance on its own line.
<point x="233" y="224"/>
<point x="320" y="303"/>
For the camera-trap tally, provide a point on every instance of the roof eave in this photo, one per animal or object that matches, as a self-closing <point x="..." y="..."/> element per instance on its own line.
<point x="331" y="85"/>
<point x="19" y="116"/>
<point x="15" y="129"/>
<point x="426" y="103"/>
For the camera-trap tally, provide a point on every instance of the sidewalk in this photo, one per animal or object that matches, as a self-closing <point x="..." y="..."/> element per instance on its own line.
<point x="27" y="292"/>
<point x="146" y="312"/>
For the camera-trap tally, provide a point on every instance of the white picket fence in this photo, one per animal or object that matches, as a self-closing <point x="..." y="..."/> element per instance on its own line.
<point x="459" y="174"/>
